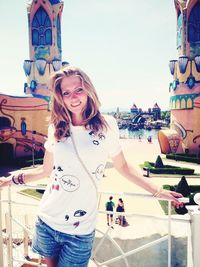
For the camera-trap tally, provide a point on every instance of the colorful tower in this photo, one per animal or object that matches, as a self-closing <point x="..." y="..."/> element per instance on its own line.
<point x="44" y="24"/>
<point x="134" y="109"/>
<point x="23" y="120"/>
<point x="156" y="111"/>
<point x="184" y="133"/>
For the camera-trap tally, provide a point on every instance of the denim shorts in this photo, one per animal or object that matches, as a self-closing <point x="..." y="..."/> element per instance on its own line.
<point x="70" y="250"/>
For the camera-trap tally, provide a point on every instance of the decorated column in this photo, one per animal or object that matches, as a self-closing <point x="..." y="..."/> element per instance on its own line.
<point x="184" y="133"/>
<point x="44" y="25"/>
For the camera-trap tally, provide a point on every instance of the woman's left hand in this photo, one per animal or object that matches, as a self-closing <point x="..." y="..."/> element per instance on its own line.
<point x="173" y="196"/>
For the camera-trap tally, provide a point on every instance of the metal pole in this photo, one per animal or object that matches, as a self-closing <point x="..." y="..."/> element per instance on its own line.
<point x="33" y="148"/>
<point x="189" y="247"/>
<point x="33" y="151"/>
<point x="169" y="235"/>
<point x="1" y="237"/>
<point x="26" y="238"/>
<point x="195" y="229"/>
<point x="99" y="201"/>
<point x="9" y="229"/>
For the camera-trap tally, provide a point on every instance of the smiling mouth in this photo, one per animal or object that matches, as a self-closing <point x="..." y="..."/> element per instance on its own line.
<point x="75" y="105"/>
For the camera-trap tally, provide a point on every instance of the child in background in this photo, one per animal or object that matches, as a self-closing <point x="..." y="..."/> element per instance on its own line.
<point x="109" y="207"/>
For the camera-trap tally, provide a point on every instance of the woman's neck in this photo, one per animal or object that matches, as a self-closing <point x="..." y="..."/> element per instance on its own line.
<point x="77" y="120"/>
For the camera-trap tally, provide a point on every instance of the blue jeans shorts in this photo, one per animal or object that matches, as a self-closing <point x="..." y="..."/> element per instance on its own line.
<point x="70" y="250"/>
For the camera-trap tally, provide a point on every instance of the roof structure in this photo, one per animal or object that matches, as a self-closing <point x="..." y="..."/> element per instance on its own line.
<point x="54" y="2"/>
<point x="134" y="105"/>
<point x="156" y="105"/>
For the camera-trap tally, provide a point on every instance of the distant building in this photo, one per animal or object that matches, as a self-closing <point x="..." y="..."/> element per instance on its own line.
<point x="134" y="109"/>
<point x="154" y="112"/>
<point x="157" y="112"/>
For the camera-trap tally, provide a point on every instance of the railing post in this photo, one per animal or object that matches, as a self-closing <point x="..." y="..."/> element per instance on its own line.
<point x="195" y="233"/>
<point x="9" y="229"/>
<point x="26" y="238"/>
<point x="169" y="235"/>
<point x="1" y="236"/>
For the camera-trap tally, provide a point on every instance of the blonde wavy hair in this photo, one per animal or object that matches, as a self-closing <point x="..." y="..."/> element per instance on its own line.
<point x="61" y="116"/>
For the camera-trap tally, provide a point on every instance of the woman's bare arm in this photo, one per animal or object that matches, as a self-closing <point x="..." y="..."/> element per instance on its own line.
<point x="33" y="174"/>
<point x="133" y="175"/>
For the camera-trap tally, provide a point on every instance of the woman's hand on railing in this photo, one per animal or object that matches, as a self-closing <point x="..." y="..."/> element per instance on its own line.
<point x="170" y="195"/>
<point x="5" y="181"/>
<point x="14" y="179"/>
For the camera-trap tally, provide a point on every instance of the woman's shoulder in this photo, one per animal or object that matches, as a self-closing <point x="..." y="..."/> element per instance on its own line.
<point x="51" y="129"/>
<point x="110" y="120"/>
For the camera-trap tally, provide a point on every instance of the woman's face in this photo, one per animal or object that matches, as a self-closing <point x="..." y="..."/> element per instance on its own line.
<point x="74" y="95"/>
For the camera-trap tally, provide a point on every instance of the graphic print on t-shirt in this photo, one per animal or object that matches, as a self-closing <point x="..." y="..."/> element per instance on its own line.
<point x="99" y="171"/>
<point x="79" y="213"/>
<point x="76" y="224"/>
<point x="66" y="217"/>
<point x="101" y="136"/>
<point x="69" y="183"/>
<point x="56" y="184"/>
<point x="96" y="139"/>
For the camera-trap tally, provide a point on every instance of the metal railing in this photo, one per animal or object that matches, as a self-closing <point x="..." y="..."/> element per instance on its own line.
<point x="194" y="221"/>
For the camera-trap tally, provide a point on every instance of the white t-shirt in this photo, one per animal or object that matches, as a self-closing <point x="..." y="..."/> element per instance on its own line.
<point x="69" y="203"/>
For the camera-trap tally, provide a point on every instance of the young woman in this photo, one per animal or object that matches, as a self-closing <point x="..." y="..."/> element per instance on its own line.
<point x="80" y="140"/>
<point x="120" y="208"/>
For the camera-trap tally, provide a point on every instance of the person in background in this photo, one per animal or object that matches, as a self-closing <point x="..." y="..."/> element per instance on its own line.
<point x="80" y="141"/>
<point x="110" y="207"/>
<point x="120" y="208"/>
<point x="149" y="139"/>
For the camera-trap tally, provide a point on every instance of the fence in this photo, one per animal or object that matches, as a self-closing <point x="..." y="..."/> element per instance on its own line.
<point x="193" y="222"/>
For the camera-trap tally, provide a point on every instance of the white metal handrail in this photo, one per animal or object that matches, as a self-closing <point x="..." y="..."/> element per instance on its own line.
<point x="123" y="255"/>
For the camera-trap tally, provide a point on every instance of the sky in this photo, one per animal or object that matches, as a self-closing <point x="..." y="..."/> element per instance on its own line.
<point x="123" y="45"/>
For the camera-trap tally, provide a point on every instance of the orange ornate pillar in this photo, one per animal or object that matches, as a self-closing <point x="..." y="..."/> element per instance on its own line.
<point x="44" y="25"/>
<point x="185" y="85"/>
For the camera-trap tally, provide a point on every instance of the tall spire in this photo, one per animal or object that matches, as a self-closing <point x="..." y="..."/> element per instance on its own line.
<point x="45" y="52"/>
